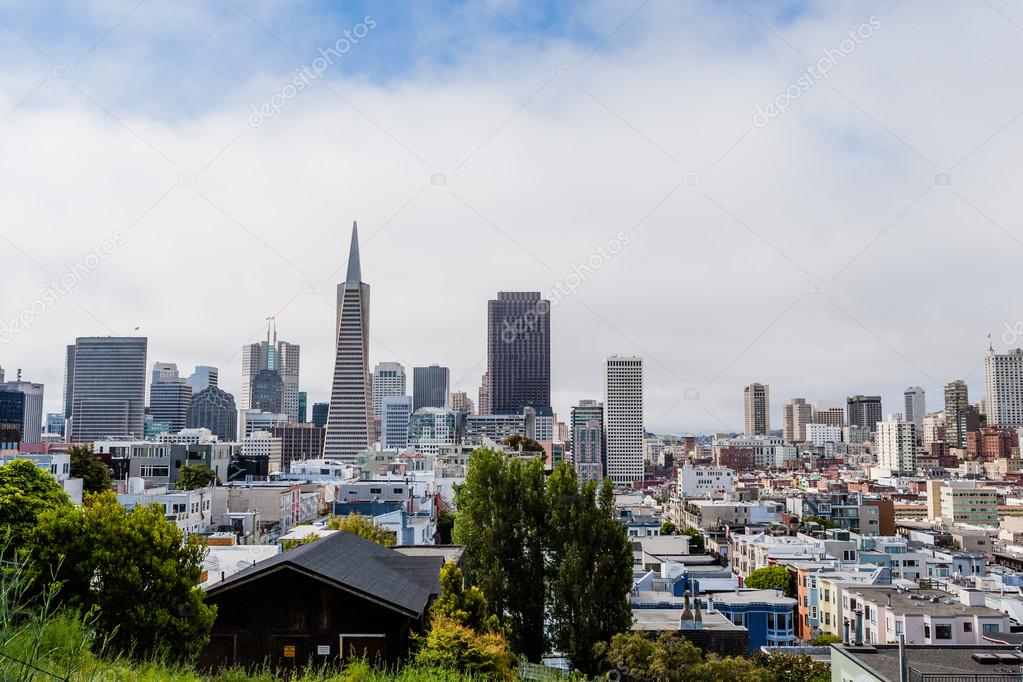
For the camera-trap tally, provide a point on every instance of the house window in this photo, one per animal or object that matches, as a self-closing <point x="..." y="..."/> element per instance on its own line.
<point x="967" y="626"/>
<point x="943" y="631"/>
<point x="927" y="631"/>
<point x="989" y="628"/>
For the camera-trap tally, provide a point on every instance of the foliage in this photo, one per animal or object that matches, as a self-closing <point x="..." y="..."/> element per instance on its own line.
<point x="364" y="527"/>
<point x="771" y="578"/>
<point x="670" y="658"/>
<point x="826" y="523"/>
<point x="134" y="570"/>
<point x="298" y="542"/>
<point x="826" y="638"/>
<point x="589" y="567"/>
<point x="522" y="444"/>
<point x="465" y="606"/>
<point x="451" y="645"/>
<point x="95" y="474"/>
<point x="501" y="519"/>
<point x="697" y="545"/>
<point x="463" y="634"/>
<point x="793" y="667"/>
<point x="25" y="492"/>
<point x="668" y="528"/>
<point x="193" y="476"/>
<point x="445" y="526"/>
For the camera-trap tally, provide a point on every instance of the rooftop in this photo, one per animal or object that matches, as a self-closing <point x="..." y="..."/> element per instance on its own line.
<point x="949" y="661"/>
<point x="923" y="602"/>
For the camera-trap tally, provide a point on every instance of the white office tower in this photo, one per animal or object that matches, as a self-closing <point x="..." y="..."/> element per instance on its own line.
<point x="397" y="410"/>
<point x="388" y="380"/>
<point x="350" y="415"/>
<point x="1003" y="376"/>
<point x="916" y="408"/>
<point x="623" y="418"/>
<point x="896" y="445"/>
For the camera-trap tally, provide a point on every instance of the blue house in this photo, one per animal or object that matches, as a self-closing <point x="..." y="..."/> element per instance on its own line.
<point x="768" y="615"/>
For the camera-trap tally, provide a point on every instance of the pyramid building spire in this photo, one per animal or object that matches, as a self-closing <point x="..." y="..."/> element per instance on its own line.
<point x="354" y="275"/>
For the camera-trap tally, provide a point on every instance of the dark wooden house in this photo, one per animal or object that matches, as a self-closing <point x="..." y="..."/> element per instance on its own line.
<point x="337" y="597"/>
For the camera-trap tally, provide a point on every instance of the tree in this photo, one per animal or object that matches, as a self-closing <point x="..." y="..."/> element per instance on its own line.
<point x="26" y="491"/>
<point x="298" y="542"/>
<point x="668" y="528"/>
<point x="501" y="521"/>
<point x="671" y="658"/>
<point x="464" y="635"/>
<point x="825" y="523"/>
<point x="589" y="567"/>
<point x="826" y="638"/>
<point x="453" y="646"/>
<point x="95" y="474"/>
<point x="364" y="527"/>
<point x="445" y="526"/>
<point x="771" y="578"/>
<point x="522" y="443"/>
<point x="793" y="667"/>
<point x="697" y="545"/>
<point x="465" y="605"/>
<point x="134" y="569"/>
<point x="192" y="476"/>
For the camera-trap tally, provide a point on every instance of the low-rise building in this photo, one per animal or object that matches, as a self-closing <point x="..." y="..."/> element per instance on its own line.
<point x="924" y="616"/>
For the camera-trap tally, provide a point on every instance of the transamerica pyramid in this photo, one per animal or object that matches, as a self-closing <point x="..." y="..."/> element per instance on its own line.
<point x="350" y="417"/>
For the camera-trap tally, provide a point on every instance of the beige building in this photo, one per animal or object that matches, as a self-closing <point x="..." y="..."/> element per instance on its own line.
<point x="965" y="502"/>
<point x="757" y="410"/>
<point x="795" y="416"/>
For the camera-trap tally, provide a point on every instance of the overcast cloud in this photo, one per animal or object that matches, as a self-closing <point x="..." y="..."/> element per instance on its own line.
<point x="865" y="240"/>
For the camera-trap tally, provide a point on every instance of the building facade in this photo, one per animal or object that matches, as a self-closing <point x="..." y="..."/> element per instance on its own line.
<point x="1003" y="378"/>
<point x="623" y="418"/>
<point x="756" y="410"/>
<point x="107" y="387"/>
<point x="519" y="352"/>
<point x="213" y="408"/>
<point x="430" y="386"/>
<point x="350" y="416"/>
<point x="388" y="380"/>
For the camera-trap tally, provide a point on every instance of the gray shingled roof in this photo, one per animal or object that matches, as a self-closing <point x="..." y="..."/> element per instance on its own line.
<point x="404" y="582"/>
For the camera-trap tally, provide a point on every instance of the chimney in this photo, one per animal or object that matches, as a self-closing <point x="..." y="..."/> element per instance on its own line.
<point x="686" y="620"/>
<point x="697" y="616"/>
<point x="889" y="596"/>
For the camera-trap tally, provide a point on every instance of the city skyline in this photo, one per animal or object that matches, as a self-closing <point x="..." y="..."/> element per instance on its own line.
<point x="852" y="210"/>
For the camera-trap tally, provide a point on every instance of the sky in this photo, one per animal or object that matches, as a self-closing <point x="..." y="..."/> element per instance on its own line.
<point x="818" y="196"/>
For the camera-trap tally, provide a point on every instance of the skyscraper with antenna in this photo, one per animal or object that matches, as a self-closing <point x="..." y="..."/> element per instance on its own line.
<point x="270" y="357"/>
<point x="350" y="415"/>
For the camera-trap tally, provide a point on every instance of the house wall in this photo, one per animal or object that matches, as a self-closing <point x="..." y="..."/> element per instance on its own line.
<point x="285" y="608"/>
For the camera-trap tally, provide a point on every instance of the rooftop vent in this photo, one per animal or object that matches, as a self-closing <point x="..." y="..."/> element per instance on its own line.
<point x="986" y="659"/>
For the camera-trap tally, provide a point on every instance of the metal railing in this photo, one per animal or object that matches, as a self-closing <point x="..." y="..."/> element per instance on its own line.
<point x="917" y="676"/>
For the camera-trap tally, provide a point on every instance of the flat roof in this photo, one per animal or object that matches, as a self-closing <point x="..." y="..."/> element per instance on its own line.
<point x="909" y="602"/>
<point x="883" y="659"/>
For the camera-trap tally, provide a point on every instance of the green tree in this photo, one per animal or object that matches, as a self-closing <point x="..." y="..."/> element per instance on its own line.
<point x="26" y="491"/>
<point x="364" y="527"/>
<point x="793" y="667"/>
<point x="445" y="526"/>
<point x="192" y="476"/>
<point x="453" y="646"/>
<point x="95" y="474"/>
<point x="465" y="605"/>
<point x="771" y="578"/>
<point x="668" y="528"/>
<point x="697" y="545"/>
<point x="501" y="520"/>
<point x="671" y="658"/>
<point x="825" y="639"/>
<point x="522" y="443"/>
<point x="589" y="567"/>
<point x="826" y="523"/>
<point x="298" y="542"/>
<point x="134" y="569"/>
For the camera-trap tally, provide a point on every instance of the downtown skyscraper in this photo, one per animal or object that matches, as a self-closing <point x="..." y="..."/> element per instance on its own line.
<point x="270" y="375"/>
<point x="756" y="410"/>
<point x="105" y="384"/>
<point x="518" y="354"/>
<point x="623" y="418"/>
<point x="350" y="415"/>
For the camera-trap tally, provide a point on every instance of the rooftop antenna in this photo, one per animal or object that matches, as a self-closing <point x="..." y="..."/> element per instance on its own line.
<point x="990" y="347"/>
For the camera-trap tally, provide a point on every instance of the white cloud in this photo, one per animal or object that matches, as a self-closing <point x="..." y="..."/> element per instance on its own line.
<point x="699" y="291"/>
